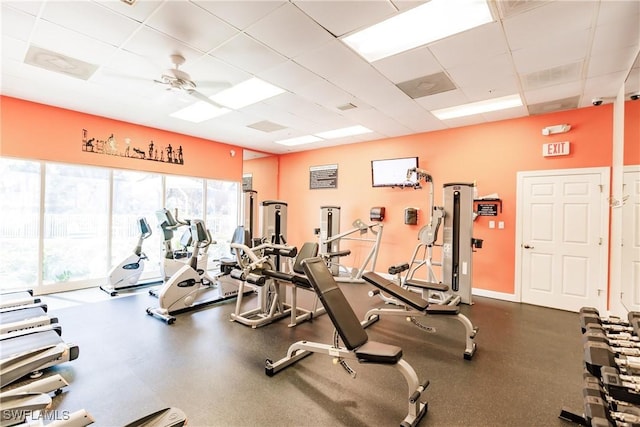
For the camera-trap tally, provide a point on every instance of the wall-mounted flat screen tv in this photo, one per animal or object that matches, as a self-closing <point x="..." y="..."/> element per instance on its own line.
<point x="393" y="172"/>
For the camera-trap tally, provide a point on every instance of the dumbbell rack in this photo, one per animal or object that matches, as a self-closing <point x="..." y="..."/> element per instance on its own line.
<point x="611" y="378"/>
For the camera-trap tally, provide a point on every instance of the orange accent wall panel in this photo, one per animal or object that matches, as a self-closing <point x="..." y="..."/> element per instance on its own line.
<point x="632" y="133"/>
<point x="489" y="154"/>
<point x="41" y="132"/>
<point x="264" y="171"/>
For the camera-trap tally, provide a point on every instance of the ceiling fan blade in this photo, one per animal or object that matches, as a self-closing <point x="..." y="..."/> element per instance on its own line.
<point x="203" y="97"/>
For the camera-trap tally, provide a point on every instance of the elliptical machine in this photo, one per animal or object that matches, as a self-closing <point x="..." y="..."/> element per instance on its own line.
<point x="181" y="292"/>
<point x="173" y="260"/>
<point x="125" y="275"/>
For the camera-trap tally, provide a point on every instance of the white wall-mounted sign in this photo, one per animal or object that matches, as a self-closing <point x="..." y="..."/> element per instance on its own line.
<point x="556" y="149"/>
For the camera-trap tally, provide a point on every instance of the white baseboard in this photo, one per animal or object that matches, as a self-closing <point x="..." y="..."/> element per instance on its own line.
<point x="495" y="295"/>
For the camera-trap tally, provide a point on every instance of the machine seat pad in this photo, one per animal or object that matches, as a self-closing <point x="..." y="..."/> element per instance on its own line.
<point x="338" y="254"/>
<point x="410" y="298"/>
<point x="427" y="285"/>
<point x="302" y="282"/>
<point x="443" y="309"/>
<point x="278" y="275"/>
<point x="398" y="268"/>
<point x="376" y="352"/>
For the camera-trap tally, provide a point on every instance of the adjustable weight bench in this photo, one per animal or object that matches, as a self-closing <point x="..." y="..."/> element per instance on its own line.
<point x="414" y="305"/>
<point x="356" y="342"/>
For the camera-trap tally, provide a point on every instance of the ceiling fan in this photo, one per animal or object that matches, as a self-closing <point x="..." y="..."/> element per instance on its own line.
<point x="178" y="80"/>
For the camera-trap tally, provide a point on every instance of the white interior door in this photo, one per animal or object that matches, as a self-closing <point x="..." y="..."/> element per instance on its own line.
<point x="562" y="238"/>
<point x="631" y="241"/>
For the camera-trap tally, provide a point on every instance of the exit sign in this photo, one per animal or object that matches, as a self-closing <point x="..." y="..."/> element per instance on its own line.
<point x="555" y="149"/>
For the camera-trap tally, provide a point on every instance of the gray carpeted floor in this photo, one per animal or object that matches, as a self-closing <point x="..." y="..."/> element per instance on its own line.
<point x="527" y="367"/>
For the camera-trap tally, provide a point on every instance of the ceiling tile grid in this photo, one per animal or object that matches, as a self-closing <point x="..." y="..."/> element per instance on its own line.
<point x="555" y="54"/>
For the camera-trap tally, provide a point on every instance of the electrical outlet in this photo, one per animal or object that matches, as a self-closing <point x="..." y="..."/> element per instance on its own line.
<point x="492" y="224"/>
<point x="501" y="225"/>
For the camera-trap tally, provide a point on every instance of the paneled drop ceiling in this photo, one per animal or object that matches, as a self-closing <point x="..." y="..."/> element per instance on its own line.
<point x="555" y="54"/>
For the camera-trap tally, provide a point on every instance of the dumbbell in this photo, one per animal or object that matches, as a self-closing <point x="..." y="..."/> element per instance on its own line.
<point x="598" y="355"/>
<point x="624" y="388"/>
<point x="597" y="335"/>
<point x="590" y="315"/>
<point x="590" y="320"/>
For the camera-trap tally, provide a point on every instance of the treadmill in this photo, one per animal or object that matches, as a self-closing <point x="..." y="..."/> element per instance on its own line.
<point x="24" y="317"/>
<point x="31" y="350"/>
<point x="17" y="298"/>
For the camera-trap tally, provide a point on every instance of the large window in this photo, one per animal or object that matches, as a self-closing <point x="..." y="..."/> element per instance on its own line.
<point x="20" y="223"/>
<point x="64" y="226"/>
<point x="76" y="215"/>
<point x="222" y="215"/>
<point x="135" y="195"/>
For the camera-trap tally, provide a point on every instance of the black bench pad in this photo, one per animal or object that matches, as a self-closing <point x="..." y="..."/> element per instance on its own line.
<point x="411" y="298"/>
<point x="296" y="279"/>
<point x="338" y="253"/>
<point x="376" y="352"/>
<point x="427" y="285"/>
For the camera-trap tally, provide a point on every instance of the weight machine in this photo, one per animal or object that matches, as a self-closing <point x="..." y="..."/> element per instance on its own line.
<point x="329" y="240"/>
<point x="456" y="217"/>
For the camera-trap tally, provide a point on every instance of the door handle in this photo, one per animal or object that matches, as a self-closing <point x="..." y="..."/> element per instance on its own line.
<point x="527" y="246"/>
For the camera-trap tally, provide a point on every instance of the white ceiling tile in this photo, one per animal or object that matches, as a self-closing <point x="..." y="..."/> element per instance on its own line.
<point x="30" y="7"/>
<point x="408" y="65"/>
<point x="209" y="71"/>
<point x="12" y="50"/>
<point x="247" y="54"/>
<point x="70" y="43"/>
<point x="603" y="86"/>
<point x="191" y="24"/>
<point x="471" y="46"/>
<point x="443" y="100"/>
<point x="560" y="91"/>
<point x="485" y="75"/>
<point x="302" y="107"/>
<point x="617" y="35"/>
<point x="139" y="12"/>
<point x="289" y="76"/>
<point x="618" y="12"/>
<point x="240" y="14"/>
<point x="114" y="28"/>
<point x="612" y="60"/>
<point x="542" y="56"/>
<point x="553" y="21"/>
<point x="16" y="23"/>
<point x="332" y="59"/>
<point x="289" y="31"/>
<point x="325" y="93"/>
<point x="410" y="114"/>
<point x="157" y="47"/>
<point x="346" y="16"/>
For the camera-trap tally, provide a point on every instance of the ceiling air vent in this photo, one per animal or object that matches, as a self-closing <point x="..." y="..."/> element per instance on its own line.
<point x="509" y="8"/>
<point x="557" y="105"/>
<point x="266" y="126"/>
<point x="426" y="85"/>
<point x="59" y="63"/>
<point x="552" y="76"/>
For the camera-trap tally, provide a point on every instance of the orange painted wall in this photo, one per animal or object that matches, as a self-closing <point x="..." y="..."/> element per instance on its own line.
<point x="41" y="132"/>
<point x="490" y="154"/>
<point x="264" y="171"/>
<point x="632" y="133"/>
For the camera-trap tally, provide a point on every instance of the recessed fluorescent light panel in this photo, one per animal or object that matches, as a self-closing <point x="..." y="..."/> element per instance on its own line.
<point x="340" y="133"/>
<point x="479" y="107"/>
<point x="246" y="93"/>
<point x="431" y="21"/>
<point x="307" y="139"/>
<point x="199" y="112"/>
